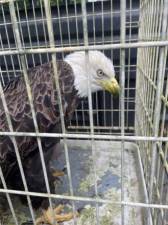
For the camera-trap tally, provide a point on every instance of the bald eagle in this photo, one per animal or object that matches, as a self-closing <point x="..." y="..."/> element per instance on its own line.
<point x="73" y="86"/>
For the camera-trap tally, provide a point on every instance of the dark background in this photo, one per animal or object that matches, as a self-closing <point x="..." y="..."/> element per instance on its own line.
<point x="107" y="30"/>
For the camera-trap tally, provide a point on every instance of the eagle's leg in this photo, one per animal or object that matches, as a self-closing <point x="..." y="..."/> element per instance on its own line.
<point x="58" y="173"/>
<point x="47" y="216"/>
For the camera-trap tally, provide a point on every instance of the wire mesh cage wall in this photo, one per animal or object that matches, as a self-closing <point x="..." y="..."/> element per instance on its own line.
<point x="152" y="80"/>
<point x="33" y="32"/>
<point x="122" y="140"/>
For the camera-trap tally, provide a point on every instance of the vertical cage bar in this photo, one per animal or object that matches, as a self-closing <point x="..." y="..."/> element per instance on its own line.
<point x="157" y="111"/>
<point x="21" y="32"/>
<point x="8" y="198"/>
<point x="68" y="25"/>
<point x="56" y="78"/>
<point x="161" y="163"/>
<point x="9" y="122"/>
<point x="36" y="30"/>
<point x="5" y="61"/>
<point x="102" y="42"/>
<point x="8" y="41"/>
<point x="60" y="26"/>
<point x="111" y="37"/>
<point x="28" y="88"/>
<point x="162" y="177"/>
<point x="76" y="23"/>
<point x="86" y="42"/>
<point x="29" y="34"/>
<point x="94" y="43"/>
<point x="3" y="179"/>
<point x="44" y="28"/>
<point x="129" y="65"/>
<point x="122" y="97"/>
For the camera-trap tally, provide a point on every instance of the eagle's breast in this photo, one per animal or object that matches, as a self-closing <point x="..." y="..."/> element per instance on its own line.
<point x="46" y="105"/>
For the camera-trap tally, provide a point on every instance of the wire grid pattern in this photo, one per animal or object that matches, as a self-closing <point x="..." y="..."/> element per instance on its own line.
<point x="152" y="103"/>
<point x="32" y="35"/>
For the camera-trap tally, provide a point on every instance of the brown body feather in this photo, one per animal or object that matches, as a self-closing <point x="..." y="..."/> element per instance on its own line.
<point x="46" y="106"/>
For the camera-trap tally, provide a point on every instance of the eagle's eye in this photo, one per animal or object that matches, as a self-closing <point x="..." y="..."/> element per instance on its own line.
<point x="100" y="73"/>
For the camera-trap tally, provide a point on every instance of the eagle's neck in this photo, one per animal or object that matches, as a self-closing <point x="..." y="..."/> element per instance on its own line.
<point x="80" y="76"/>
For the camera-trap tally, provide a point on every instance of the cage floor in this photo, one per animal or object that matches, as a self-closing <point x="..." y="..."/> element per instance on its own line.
<point x="108" y="169"/>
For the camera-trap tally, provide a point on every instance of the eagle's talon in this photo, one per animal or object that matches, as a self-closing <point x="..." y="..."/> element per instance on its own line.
<point x="58" y="173"/>
<point x="59" y="209"/>
<point x="47" y="216"/>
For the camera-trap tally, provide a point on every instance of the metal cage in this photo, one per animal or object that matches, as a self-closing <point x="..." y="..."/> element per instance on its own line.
<point x="130" y="130"/>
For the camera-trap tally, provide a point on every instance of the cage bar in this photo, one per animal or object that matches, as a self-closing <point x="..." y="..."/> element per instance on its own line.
<point x="38" y="31"/>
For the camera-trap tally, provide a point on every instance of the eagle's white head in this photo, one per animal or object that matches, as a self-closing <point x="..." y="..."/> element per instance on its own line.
<point x="99" y="68"/>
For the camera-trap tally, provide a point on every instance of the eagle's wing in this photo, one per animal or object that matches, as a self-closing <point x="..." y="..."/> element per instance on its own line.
<point x="45" y="101"/>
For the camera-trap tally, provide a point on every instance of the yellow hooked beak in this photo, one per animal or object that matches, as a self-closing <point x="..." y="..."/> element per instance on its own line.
<point x="111" y="86"/>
